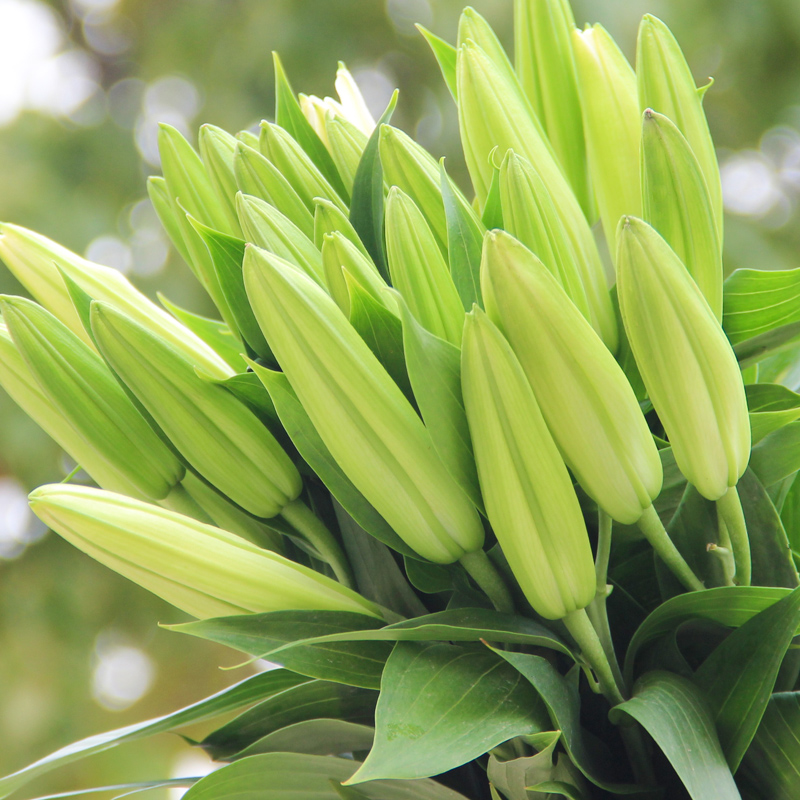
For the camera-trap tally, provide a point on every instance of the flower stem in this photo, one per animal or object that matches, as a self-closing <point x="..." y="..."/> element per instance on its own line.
<point x="651" y="526"/>
<point x="485" y="574"/>
<point x="729" y="507"/>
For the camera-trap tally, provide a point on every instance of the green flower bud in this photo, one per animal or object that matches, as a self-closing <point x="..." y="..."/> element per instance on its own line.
<point x="362" y="417"/>
<point x="584" y="396"/>
<point x="38" y="263"/>
<point x="216" y="434"/>
<point x="685" y="360"/>
<point x="217" y="148"/>
<point x="202" y="570"/>
<point x="340" y="254"/>
<point x="347" y="145"/>
<point x="666" y="85"/>
<point x="418" y="270"/>
<point x="316" y="110"/>
<point x="265" y="226"/>
<point x="612" y="125"/>
<point x="295" y="165"/>
<point x="493" y="113"/>
<point x="546" y="67"/>
<point x="329" y="219"/>
<point x="677" y="204"/>
<point x="529" y="497"/>
<point x="256" y="176"/>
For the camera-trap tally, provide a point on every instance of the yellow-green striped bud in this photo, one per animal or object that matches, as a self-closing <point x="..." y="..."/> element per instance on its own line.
<point x="202" y="570"/>
<point x="216" y="434"/>
<point x="362" y="417"/>
<point x="217" y="148"/>
<point x="329" y="219"/>
<point x="347" y="145"/>
<point x="529" y="497"/>
<point x="685" y="360"/>
<point x="588" y="404"/>
<point x="666" y="85"/>
<point x="316" y="111"/>
<point x="340" y="254"/>
<point x="545" y="65"/>
<point x="353" y="106"/>
<point x="419" y="271"/>
<point x="37" y="262"/>
<point x="612" y="125"/>
<point x="677" y="204"/>
<point x="472" y="27"/>
<point x="265" y="226"/>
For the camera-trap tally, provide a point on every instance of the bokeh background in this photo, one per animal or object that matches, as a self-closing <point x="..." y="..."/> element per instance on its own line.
<point x="83" y="84"/>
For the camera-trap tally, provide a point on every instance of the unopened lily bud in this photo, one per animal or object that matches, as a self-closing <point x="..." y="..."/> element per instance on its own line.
<point x="545" y="65"/>
<point x="529" y="497"/>
<point x="256" y="176"/>
<point x="362" y="417"/>
<point x="612" y="125"/>
<point x="685" y="359"/>
<point x="666" y="85"/>
<point x="200" y="569"/>
<point x="265" y="226"/>
<point x="677" y="204"/>
<point x="340" y="254"/>
<point x="347" y="144"/>
<point x="354" y="107"/>
<point x="329" y="219"/>
<point x="419" y="271"/>
<point x="295" y="165"/>
<point x="217" y="148"/>
<point x="37" y="262"/>
<point x="316" y="110"/>
<point x="493" y="113"/>
<point x="585" y="398"/>
<point x="87" y="396"/>
<point x="216" y="434"/>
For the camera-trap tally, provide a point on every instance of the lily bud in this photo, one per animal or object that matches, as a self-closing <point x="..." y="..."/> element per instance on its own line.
<point x="347" y="145"/>
<point x="677" y="204"/>
<point x="419" y="271"/>
<point x="612" y="125"/>
<point x="316" y="110"/>
<point x="546" y="67"/>
<point x="37" y="262"/>
<point x="354" y="107"/>
<point x="217" y="148"/>
<point x="329" y="219"/>
<point x="584" y="396"/>
<point x="221" y="438"/>
<point x="362" y="417"/>
<point x="666" y="85"/>
<point x="685" y="360"/>
<point x="202" y="570"/>
<point x="529" y="497"/>
<point x="340" y="254"/>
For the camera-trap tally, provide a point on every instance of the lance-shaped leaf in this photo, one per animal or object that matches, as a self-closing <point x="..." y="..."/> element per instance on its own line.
<point x="677" y="204"/>
<point x="265" y="226"/>
<point x="328" y="218"/>
<point x="612" y="125"/>
<point x="771" y="407"/>
<point x="86" y="395"/>
<point x="339" y="254"/>
<point x="257" y="176"/>
<point x="445" y="55"/>
<point x="347" y="144"/>
<point x="546" y="68"/>
<point x="666" y="85"/>
<point x="419" y="271"/>
<point x="204" y="571"/>
<point x="685" y="360"/>
<point x="219" y="436"/>
<point x="39" y="264"/>
<point x="361" y="415"/>
<point x="583" y="394"/>
<point x="217" y="148"/>
<point x="526" y="487"/>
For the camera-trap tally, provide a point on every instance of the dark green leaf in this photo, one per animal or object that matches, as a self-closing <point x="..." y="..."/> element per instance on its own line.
<point x="738" y="677"/>
<point x="445" y="55"/>
<point x="672" y="711"/>
<point x="751" y="351"/>
<point x="771" y="407"/>
<point x="443" y="705"/>
<point x="248" y="388"/>
<point x="366" y="206"/>
<point x="429" y="577"/>
<point x="777" y="455"/>
<point x="790" y="516"/>
<point x="319" y="737"/>
<point x="355" y="663"/>
<point x="492" y="216"/>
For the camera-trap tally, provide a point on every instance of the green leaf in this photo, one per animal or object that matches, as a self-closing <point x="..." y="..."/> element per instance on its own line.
<point x="777" y="455"/>
<point x="353" y="663"/>
<point x="306" y="701"/>
<point x="672" y="711"/>
<point x="311" y="447"/>
<point x="303" y="776"/>
<point x="752" y="351"/>
<point x="492" y="216"/>
<point x="443" y="705"/>
<point x="320" y="737"/>
<point x="738" y="677"/>
<point x="366" y="205"/>
<point x="434" y="368"/>
<point x="290" y="117"/>
<point x="464" y="243"/>
<point x="249" y="389"/>
<point x="217" y="335"/>
<point x="431" y="578"/>
<point x="240" y="694"/>
<point x="445" y="55"/>
<point x="771" y="407"/>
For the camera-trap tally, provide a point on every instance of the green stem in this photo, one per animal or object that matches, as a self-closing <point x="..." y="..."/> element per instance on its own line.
<point x="485" y="574"/>
<point x="729" y="507"/>
<point x="309" y="526"/>
<point x="651" y="526"/>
